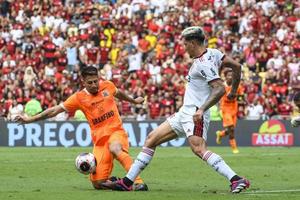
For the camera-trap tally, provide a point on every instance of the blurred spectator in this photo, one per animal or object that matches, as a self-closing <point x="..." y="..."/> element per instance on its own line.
<point x="254" y="111"/>
<point x="14" y="110"/>
<point x="285" y="109"/>
<point x="134" y="60"/>
<point x="29" y="77"/>
<point x="137" y="45"/>
<point x="142" y="115"/>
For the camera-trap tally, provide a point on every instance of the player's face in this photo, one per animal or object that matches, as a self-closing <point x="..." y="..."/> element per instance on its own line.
<point x="189" y="47"/>
<point x="228" y="77"/>
<point x="91" y="83"/>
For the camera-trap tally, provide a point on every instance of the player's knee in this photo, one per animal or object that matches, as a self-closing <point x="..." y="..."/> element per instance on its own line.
<point x="115" y="148"/>
<point x="150" y="140"/>
<point x="198" y="150"/>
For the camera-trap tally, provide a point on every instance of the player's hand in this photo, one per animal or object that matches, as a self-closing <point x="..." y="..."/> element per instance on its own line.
<point x="22" y="119"/>
<point x="139" y="100"/>
<point x="197" y="117"/>
<point x="231" y="96"/>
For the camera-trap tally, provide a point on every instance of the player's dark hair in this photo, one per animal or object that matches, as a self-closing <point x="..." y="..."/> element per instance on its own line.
<point x="297" y="96"/>
<point x="198" y="38"/>
<point x="194" y="33"/>
<point x="89" y="71"/>
<point x="227" y="70"/>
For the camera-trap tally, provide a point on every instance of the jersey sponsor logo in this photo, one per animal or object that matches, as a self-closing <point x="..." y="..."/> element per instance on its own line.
<point x="272" y="133"/>
<point x="103" y="117"/>
<point x="96" y="103"/>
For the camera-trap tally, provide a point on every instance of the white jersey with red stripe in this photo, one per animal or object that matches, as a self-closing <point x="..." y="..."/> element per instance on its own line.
<point x="204" y="69"/>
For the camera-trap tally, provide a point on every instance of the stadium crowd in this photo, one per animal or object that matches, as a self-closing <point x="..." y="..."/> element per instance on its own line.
<point x="136" y="44"/>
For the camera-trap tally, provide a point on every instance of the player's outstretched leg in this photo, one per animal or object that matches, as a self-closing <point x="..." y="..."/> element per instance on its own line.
<point x="158" y="136"/>
<point x="140" y="163"/>
<point x="198" y="146"/>
<point x="120" y="153"/>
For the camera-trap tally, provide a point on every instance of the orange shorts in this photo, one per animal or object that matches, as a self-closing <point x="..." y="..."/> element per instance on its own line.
<point x="105" y="158"/>
<point x="229" y="119"/>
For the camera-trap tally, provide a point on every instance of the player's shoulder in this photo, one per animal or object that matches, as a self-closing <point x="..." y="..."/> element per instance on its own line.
<point x="106" y="83"/>
<point x="213" y="51"/>
<point x="79" y="94"/>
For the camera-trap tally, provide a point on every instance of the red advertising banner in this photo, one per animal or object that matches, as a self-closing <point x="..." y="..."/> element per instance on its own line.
<point x="280" y="139"/>
<point x="272" y="133"/>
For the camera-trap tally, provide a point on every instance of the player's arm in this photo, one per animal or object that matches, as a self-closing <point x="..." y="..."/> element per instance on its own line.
<point x="236" y="75"/>
<point x="50" y="112"/>
<point x="124" y="97"/>
<point x="217" y="92"/>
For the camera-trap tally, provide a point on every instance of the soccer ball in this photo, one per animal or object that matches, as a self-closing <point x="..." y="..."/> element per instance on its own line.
<point x="85" y="163"/>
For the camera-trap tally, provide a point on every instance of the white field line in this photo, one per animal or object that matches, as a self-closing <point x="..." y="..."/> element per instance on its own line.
<point x="271" y="191"/>
<point x="241" y="154"/>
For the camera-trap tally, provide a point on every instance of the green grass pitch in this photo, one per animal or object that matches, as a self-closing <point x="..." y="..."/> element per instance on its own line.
<point x="175" y="174"/>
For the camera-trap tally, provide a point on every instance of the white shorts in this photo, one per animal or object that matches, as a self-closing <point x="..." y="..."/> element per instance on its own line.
<point x="183" y="125"/>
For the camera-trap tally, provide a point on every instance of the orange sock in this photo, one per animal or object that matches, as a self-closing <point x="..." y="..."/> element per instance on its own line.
<point x="222" y="133"/>
<point x="126" y="161"/>
<point x="232" y="143"/>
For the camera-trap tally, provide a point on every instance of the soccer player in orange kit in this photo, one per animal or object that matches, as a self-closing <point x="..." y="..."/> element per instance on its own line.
<point x="110" y="140"/>
<point x="229" y="109"/>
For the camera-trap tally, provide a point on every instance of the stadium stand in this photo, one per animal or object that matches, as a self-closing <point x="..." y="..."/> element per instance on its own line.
<point x="136" y="44"/>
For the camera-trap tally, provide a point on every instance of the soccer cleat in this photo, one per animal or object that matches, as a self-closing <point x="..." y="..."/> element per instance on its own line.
<point x="117" y="185"/>
<point x="140" y="187"/>
<point x="219" y="137"/>
<point x="235" y="151"/>
<point x="295" y="121"/>
<point x="113" y="178"/>
<point x="238" y="186"/>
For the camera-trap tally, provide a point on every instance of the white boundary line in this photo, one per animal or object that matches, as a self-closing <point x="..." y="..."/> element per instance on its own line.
<point x="271" y="191"/>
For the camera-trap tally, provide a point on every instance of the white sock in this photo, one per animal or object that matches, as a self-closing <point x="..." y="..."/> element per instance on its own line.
<point x="218" y="164"/>
<point x="140" y="163"/>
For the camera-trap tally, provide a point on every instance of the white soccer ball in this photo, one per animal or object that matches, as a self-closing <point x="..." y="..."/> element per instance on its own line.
<point x="85" y="163"/>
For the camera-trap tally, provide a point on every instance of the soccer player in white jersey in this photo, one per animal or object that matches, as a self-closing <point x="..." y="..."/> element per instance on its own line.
<point x="204" y="89"/>
<point x="295" y="121"/>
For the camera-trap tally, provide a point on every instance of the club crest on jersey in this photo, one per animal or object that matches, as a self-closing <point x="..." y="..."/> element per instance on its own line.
<point x="105" y="93"/>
